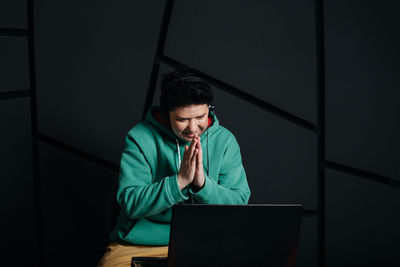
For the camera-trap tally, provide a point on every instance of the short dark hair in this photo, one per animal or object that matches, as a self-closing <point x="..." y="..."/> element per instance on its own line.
<point x="180" y="88"/>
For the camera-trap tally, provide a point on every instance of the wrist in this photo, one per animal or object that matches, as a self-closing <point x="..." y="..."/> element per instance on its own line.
<point x="181" y="182"/>
<point x="198" y="185"/>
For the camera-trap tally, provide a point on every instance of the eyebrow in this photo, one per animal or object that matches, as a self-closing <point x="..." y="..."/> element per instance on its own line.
<point x="182" y="118"/>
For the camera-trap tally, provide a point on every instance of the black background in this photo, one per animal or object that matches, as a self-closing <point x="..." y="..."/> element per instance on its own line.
<point x="92" y="63"/>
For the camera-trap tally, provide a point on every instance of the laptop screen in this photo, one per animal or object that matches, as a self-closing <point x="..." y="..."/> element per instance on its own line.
<point x="218" y="235"/>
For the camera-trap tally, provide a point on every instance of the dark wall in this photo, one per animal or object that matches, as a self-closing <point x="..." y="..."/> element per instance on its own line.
<point x="362" y="130"/>
<point x="17" y="208"/>
<point x="93" y="67"/>
<point x="94" y="60"/>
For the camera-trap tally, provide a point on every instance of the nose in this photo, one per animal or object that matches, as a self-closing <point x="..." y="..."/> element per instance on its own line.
<point x="192" y="126"/>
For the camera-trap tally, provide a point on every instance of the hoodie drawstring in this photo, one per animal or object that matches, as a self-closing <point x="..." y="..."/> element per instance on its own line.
<point x="179" y="154"/>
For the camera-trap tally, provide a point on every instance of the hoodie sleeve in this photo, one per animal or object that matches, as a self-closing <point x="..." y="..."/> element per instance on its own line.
<point x="137" y="195"/>
<point x="232" y="186"/>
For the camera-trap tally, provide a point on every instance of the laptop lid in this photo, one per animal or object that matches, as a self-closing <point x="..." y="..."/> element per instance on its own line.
<point x="222" y="235"/>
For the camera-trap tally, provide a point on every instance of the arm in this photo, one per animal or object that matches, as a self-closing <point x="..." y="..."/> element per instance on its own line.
<point x="232" y="186"/>
<point x="137" y="194"/>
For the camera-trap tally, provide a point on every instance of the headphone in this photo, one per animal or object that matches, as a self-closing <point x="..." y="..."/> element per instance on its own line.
<point x="211" y="111"/>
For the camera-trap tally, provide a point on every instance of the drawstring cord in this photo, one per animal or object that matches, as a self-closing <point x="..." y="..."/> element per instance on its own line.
<point x="208" y="159"/>
<point x="179" y="153"/>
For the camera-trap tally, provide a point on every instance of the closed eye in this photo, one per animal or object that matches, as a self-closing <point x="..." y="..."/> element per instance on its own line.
<point x="200" y="117"/>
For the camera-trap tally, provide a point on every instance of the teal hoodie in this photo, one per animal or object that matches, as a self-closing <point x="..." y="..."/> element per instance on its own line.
<point x="148" y="186"/>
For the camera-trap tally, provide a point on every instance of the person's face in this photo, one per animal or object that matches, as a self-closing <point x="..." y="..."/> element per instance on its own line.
<point x="189" y="120"/>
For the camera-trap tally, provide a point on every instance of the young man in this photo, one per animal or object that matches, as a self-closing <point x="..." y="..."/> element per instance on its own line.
<point x="179" y="153"/>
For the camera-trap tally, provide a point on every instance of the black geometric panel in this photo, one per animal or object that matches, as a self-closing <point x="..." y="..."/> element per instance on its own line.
<point x="18" y="221"/>
<point x="14" y="74"/>
<point x="279" y="157"/>
<point x="75" y="194"/>
<point x="362" y="222"/>
<point x="13" y="14"/>
<point x="93" y="68"/>
<point x="307" y="254"/>
<point x="362" y="90"/>
<point x="164" y="69"/>
<point x="265" y="48"/>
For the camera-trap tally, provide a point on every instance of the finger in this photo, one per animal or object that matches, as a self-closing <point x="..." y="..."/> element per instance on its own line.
<point x="195" y="152"/>
<point x="192" y="148"/>
<point x="200" y="154"/>
<point x="187" y="155"/>
<point x="198" y="143"/>
<point x="199" y="146"/>
<point x="199" y="160"/>
<point x="194" y="158"/>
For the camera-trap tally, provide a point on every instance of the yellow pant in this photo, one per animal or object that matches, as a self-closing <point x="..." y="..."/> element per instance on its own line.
<point x="121" y="255"/>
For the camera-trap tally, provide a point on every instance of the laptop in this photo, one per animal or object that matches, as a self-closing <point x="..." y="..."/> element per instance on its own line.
<point x="232" y="235"/>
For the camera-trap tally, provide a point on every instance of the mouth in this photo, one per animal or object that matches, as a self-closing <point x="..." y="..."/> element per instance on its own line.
<point x="189" y="135"/>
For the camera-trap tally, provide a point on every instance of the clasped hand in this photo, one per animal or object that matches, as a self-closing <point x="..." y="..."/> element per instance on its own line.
<point x="191" y="170"/>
